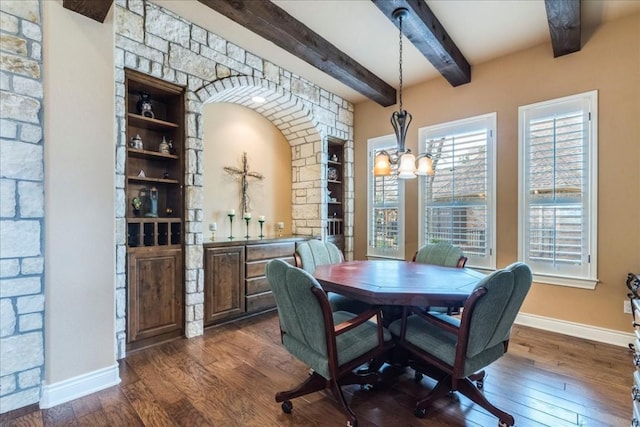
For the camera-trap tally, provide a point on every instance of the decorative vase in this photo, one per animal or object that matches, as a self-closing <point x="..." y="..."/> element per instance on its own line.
<point x="164" y="146"/>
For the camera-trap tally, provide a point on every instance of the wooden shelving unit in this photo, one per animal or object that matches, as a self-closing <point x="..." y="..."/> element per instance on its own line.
<point x="335" y="193"/>
<point x="155" y="236"/>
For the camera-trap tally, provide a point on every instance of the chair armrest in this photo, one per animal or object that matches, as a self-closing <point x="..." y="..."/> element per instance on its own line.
<point x="356" y="321"/>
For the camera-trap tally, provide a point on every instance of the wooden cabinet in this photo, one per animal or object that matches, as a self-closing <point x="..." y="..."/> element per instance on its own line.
<point x="155" y="297"/>
<point x="155" y="205"/>
<point x="258" y="293"/>
<point x="224" y="283"/>
<point x="235" y="282"/>
<point x="335" y="193"/>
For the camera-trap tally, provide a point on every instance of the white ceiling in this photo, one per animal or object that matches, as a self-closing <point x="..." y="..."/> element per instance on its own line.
<point x="482" y="30"/>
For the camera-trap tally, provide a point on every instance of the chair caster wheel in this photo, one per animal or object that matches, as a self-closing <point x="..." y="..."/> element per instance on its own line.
<point x="480" y="384"/>
<point x="420" y="413"/>
<point x="417" y="377"/>
<point x="287" y="406"/>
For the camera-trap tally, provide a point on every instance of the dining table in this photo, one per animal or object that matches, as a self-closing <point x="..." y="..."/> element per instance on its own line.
<point x="398" y="282"/>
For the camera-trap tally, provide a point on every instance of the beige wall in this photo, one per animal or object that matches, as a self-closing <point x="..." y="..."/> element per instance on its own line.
<point x="609" y="62"/>
<point x="79" y="193"/>
<point x="229" y="131"/>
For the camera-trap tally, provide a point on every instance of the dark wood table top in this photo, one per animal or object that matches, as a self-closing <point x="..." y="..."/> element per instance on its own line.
<point x="398" y="282"/>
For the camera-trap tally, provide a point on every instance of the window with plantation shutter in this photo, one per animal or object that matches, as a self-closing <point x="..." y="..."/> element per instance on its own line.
<point x="457" y="203"/>
<point x="385" y="218"/>
<point x="558" y="188"/>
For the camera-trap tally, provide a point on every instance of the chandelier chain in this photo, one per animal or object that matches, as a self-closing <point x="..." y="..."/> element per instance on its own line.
<point x="400" y="61"/>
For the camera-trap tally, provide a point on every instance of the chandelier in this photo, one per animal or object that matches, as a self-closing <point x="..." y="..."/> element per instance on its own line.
<point x="400" y="121"/>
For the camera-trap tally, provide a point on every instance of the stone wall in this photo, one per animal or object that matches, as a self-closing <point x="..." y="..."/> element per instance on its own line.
<point x="155" y="41"/>
<point x="21" y="204"/>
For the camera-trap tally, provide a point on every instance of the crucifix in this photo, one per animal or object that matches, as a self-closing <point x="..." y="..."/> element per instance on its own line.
<point x="243" y="174"/>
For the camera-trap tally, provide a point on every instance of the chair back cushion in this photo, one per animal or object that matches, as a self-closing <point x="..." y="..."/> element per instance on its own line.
<point x="314" y="252"/>
<point x="493" y="314"/>
<point x="441" y="253"/>
<point x="298" y="308"/>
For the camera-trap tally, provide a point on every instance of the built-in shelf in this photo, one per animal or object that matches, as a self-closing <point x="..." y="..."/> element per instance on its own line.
<point x="147" y="122"/>
<point x="147" y="154"/>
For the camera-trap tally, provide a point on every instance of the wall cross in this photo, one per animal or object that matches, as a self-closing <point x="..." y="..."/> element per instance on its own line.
<point x="243" y="175"/>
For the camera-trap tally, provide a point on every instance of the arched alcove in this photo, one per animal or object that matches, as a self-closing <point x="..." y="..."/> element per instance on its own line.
<point x="213" y="70"/>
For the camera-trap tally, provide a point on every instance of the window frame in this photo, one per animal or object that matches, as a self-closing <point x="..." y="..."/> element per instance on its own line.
<point x="389" y="143"/>
<point x="586" y="278"/>
<point x="456" y="127"/>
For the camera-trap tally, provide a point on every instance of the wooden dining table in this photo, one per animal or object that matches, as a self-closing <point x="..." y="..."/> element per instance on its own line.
<point x="401" y="283"/>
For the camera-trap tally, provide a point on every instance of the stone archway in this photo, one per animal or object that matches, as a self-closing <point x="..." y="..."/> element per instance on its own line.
<point x="215" y="70"/>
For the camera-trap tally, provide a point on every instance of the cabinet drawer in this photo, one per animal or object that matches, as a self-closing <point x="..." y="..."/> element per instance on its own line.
<point x="260" y="302"/>
<point x="270" y="250"/>
<point x="257" y="285"/>
<point x="257" y="268"/>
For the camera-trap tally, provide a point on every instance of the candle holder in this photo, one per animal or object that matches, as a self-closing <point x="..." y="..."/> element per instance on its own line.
<point x="231" y="225"/>
<point x="261" y="221"/>
<point x="247" y="221"/>
<point x="213" y="227"/>
<point x="280" y="227"/>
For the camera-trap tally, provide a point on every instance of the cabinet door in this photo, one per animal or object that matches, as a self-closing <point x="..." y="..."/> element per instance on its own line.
<point x="155" y="296"/>
<point x="224" y="287"/>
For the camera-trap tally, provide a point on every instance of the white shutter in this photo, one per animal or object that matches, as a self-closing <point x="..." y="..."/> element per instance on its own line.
<point x="385" y="200"/>
<point x="457" y="201"/>
<point x="557" y="209"/>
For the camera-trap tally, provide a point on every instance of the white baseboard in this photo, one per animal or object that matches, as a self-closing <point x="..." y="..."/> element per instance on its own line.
<point x="76" y="387"/>
<point x="593" y="333"/>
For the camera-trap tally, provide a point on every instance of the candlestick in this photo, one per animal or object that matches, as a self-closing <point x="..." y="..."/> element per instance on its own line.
<point x="231" y="214"/>
<point x="247" y="219"/>
<point x="261" y="221"/>
<point x="280" y="227"/>
<point x="213" y="227"/>
<point x="247" y="215"/>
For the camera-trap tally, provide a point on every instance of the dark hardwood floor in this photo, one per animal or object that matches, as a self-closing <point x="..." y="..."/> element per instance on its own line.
<point x="229" y="377"/>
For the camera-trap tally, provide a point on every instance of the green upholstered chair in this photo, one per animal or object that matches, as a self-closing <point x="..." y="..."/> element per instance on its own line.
<point x="312" y="253"/>
<point x="446" y="255"/>
<point x="332" y="343"/>
<point x="455" y="351"/>
<point x="441" y="253"/>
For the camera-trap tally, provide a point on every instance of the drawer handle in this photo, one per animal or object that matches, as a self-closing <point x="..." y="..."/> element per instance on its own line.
<point x="635" y="393"/>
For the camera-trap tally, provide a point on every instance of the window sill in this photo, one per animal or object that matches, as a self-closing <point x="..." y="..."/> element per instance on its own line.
<point x="571" y="282"/>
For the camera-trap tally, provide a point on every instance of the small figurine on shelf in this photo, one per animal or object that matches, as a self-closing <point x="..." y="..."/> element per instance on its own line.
<point x="169" y="211"/>
<point x="136" y="203"/>
<point x="144" y="105"/>
<point x="153" y="195"/>
<point x="163" y="147"/>
<point x="136" y="142"/>
<point x="334" y="157"/>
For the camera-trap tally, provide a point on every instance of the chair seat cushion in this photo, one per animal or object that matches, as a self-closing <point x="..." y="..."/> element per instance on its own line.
<point x="441" y="344"/>
<point x="350" y="344"/>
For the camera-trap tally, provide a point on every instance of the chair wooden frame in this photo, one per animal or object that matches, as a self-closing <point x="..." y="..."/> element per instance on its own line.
<point x="450" y="378"/>
<point x="340" y="375"/>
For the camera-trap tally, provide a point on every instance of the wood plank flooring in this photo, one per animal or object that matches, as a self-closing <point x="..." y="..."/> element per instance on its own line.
<point x="229" y="377"/>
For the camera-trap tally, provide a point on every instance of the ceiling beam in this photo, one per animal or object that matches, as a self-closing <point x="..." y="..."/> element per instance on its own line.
<point x="564" y="25"/>
<point x="94" y="9"/>
<point x="274" y="24"/>
<point x="426" y="33"/>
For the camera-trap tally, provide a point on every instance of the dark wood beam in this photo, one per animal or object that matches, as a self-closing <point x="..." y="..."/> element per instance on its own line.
<point x="424" y="30"/>
<point x="94" y="9"/>
<point x="564" y="25"/>
<point x="274" y="24"/>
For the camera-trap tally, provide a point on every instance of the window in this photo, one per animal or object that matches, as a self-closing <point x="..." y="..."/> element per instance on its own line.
<point x="457" y="203"/>
<point x="558" y="189"/>
<point x="385" y="220"/>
